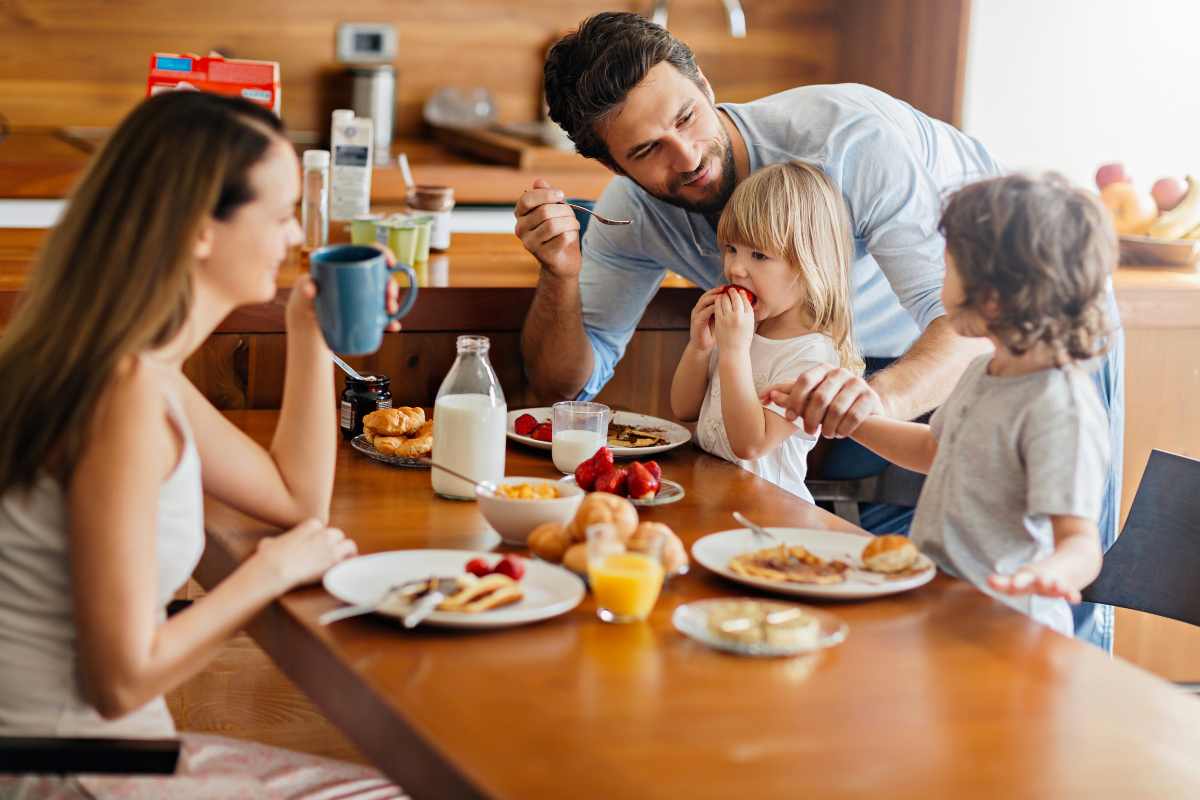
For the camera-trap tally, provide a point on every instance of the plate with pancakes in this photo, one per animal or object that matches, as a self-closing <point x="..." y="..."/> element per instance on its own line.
<point x="816" y="563"/>
<point x="630" y="435"/>
<point x="544" y="591"/>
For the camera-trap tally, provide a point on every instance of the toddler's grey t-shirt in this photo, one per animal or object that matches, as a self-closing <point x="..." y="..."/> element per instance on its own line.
<point x="1011" y="452"/>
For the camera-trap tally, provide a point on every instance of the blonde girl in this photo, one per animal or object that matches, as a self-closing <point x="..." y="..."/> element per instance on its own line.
<point x="785" y="236"/>
<point x="107" y="449"/>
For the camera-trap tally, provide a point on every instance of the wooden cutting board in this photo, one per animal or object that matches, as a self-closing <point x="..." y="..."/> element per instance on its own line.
<point x="497" y="146"/>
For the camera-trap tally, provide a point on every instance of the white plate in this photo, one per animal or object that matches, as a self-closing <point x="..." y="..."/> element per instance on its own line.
<point x="668" y="492"/>
<point x="692" y="619"/>
<point x="549" y="590"/>
<point x="676" y="434"/>
<point x="715" y="551"/>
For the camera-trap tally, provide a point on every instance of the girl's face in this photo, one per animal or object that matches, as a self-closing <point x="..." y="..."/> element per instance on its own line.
<point x="770" y="277"/>
<point x="244" y="252"/>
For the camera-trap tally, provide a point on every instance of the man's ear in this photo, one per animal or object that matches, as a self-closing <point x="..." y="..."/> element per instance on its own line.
<point x="202" y="247"/>
<point x="990" y="310"/>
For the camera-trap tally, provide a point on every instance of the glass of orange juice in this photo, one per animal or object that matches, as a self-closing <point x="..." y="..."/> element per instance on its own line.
<point x="625" y="584"/>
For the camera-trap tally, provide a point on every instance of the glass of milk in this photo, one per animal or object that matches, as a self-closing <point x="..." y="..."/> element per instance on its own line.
<point x="469" y="422"/>
<point x="580" y="429"/>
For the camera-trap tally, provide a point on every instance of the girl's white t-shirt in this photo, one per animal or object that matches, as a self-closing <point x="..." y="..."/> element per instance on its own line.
<point x="772" y="361"/>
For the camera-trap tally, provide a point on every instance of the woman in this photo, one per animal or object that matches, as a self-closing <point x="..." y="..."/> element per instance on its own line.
<point x="185" y="214"/>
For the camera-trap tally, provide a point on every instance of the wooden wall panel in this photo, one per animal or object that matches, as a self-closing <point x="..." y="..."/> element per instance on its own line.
<point x="912" y="49"/>
<point x="79" y="62"/>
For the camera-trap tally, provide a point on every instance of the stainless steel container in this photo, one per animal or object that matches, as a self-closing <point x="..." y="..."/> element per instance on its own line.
<point x="374" y="97"/>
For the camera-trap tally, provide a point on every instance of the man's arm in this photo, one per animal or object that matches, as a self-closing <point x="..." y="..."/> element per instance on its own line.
<point x="558" y="355"/>
<point x="921" y="379"/>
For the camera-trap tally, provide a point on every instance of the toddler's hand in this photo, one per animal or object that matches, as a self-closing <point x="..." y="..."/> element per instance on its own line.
<point x="702" y="321"/>
<point x="735" y="322"/>
<point x="1036" y="579"/>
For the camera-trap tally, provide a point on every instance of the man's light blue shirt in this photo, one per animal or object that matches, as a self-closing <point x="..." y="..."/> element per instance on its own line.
<point x="895" y="167"/>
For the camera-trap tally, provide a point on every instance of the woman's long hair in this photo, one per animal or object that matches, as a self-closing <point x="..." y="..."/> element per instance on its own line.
<point x="114" y="276"/>
<point x="793" y="210"/>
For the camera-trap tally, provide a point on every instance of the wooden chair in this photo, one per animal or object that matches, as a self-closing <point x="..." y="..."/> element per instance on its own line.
<point x="1155" y="563"/>
<point x="56" y="756"/>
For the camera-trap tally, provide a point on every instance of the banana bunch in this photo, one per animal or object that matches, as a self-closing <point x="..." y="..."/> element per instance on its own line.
<point x="1182" y="221"/>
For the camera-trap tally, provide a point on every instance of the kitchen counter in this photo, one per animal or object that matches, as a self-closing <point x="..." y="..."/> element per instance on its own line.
<point x="44" y="164"/>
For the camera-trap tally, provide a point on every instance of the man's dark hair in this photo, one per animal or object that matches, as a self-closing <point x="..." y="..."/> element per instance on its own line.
<point x="590" y="71"/>
<point x="1043" y="251"/>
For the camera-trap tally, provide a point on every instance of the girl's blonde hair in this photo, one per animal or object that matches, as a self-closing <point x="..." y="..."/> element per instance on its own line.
<point x="793" y="210"/>
<point x="114" y="276"/>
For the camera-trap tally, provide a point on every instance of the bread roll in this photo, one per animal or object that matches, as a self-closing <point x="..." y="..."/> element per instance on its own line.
<point x="674" y="555"/>
<point x="603" y="507"/>
<point x="889" y="553"/>
<point x="549" y="541"/>
<point x="575" y="559"/>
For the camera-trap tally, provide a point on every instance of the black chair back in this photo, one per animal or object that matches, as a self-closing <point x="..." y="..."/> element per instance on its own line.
<point x="54" y="756"/>
<point x="1155" y="564"/>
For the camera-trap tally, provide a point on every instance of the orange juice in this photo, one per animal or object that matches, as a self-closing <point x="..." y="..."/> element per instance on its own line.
<point x="626" y="585"/>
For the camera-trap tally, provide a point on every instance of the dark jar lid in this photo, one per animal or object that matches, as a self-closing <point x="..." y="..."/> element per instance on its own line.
<point x="371" y="383"/>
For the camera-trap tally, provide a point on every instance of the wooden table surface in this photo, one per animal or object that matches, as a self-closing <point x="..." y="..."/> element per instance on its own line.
<point x="939" y="692"/>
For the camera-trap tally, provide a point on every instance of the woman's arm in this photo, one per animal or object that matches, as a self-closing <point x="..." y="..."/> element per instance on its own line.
<point x="293" y="481"/>
<point x="126" y="657"/>
<point x="907" y="444"/>
<point x="689" y="384"/>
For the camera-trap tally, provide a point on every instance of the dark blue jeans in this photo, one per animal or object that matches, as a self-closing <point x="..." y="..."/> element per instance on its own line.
<point x="1093" y="623"/>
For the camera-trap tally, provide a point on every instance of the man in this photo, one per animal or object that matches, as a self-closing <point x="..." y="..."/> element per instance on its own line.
<point x="631" y="96"/>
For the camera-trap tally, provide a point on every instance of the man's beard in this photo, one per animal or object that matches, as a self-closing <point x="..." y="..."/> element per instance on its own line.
<point x="715" y="203"/>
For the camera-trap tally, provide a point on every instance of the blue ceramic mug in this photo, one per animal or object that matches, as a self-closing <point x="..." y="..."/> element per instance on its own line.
<point x="351" y="300"/>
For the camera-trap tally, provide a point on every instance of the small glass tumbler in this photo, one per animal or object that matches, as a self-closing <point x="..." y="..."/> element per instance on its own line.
<point x="625" y="582"/>
<point x="580" y="429"/>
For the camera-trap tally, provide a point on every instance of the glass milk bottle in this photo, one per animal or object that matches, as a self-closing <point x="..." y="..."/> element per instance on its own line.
<point x="469" y="419"/>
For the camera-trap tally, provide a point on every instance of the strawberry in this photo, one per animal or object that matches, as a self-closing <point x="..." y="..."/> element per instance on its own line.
<point x="512" y="566"/>
<point x="479" y="567"/>
<point x="613" y="481"/>
<point x="585" y="475"/>
<point x="524" y="424"/>
<point x="654" y="469"/>
<point x="749" y="295"/>
<point x="603" y="459"/>
<point x="642" y="485"/>
<point x="544" y="432"/>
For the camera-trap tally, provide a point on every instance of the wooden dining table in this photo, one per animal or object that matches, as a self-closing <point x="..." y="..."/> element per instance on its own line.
<point x="937" y="692"/>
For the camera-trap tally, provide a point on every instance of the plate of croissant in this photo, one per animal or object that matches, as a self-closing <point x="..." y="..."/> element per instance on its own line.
<point x="402" y="437"/>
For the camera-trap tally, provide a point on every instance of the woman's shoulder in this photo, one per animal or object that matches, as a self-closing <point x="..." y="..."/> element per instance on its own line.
<point x="129" y="402"/>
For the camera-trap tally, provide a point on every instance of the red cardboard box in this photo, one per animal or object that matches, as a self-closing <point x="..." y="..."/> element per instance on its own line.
<point x="257" y="81"/>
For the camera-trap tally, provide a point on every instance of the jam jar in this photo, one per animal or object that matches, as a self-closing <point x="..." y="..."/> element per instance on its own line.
<point x="360" y="398"/>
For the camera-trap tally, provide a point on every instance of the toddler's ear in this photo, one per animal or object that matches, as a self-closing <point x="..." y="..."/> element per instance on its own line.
<point x="990" y="309"/>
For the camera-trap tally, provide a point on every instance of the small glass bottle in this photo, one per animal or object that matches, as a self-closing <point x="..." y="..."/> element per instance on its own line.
<point x="360" y="398"/>
<point x="437" y="202"/>
<point x="314" y="206"/>
<point x="470" y="418"/>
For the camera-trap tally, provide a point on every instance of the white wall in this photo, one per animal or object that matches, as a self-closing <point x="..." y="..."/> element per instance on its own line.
<point x="1071" y="84"/>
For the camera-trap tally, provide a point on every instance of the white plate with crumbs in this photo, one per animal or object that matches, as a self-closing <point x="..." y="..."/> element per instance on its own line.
<point x="752" y="627"/>
<point x="549" y="590"/>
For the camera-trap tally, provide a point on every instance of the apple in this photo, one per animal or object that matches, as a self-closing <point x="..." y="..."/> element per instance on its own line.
<point x="1133" y="211"/>
<point x="1167" y="192"/>
<point x="1112" y="173"/>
